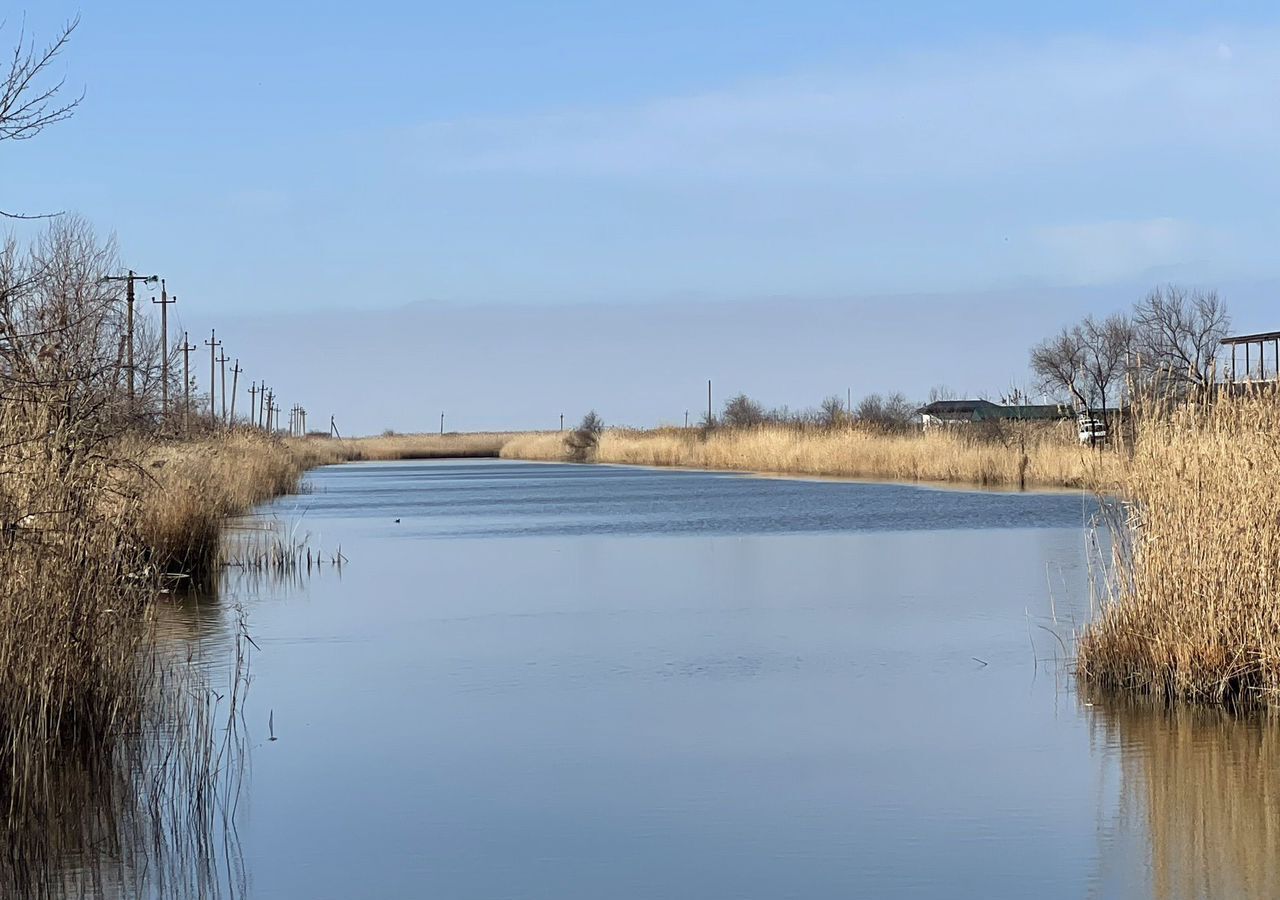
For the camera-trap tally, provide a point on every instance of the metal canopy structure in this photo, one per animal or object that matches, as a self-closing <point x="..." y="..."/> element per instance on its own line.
<point x="1262" y="339"/>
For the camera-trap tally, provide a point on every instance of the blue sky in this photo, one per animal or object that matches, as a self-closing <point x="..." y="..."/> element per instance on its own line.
<point x="693" y="161"/>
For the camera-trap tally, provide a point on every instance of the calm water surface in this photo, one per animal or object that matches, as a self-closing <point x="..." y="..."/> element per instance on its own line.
<point x="591" y="682"/>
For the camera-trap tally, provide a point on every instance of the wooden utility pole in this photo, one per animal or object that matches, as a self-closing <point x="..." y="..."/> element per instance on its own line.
<point x="562" y="421"/>
<point x="164" y="303"/>
<point x="235" y="387"/>
<point x="709" y="412"/>
<point x="213" y="343"/>
<point x="129" y="300"/>
<point x="187" y="347"/>
<point x="222" y="365"/>
<point x="686" y="418"/>
<point x="253" y="409"/>
<point x="442" y="424"/>
<point x="129" y="279"/>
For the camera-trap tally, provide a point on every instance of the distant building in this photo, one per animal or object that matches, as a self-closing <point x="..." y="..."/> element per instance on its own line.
<point x="966" y="412"/>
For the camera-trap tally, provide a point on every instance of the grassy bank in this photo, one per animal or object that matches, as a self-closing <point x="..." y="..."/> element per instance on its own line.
<point x="1030" y="456"/>
<point x="1193" y="609"/>
<point x="193" y="486"/>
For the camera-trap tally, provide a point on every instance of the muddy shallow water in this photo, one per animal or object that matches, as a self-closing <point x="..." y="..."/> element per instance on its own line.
<point x="550" y="681"/>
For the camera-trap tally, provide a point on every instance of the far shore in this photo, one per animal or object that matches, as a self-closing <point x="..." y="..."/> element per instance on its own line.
<point x="1040" y="457"/>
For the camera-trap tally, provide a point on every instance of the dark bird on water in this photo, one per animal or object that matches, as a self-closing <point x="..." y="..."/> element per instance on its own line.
<point x="397" y="521"/>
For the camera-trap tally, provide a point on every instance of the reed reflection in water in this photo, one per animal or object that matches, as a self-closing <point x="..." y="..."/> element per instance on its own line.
<point x="152" y="813"/>
<point x="1201" y="787"/>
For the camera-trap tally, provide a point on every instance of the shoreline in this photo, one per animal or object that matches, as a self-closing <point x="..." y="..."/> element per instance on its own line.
<point x="1035" y="458"/>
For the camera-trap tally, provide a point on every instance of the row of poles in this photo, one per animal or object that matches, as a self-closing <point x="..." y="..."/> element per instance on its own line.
<point x="264" y="411"/>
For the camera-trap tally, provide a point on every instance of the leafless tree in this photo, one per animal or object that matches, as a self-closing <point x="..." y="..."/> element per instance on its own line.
<point x="63" y="331"/>
<point x="892" y="412"/>
<point x="832" y="411"/>
<point x="743" y="412"/>
<point x="1176" y="338"/>
<point x="30" y="98"/>
<point x="1088" y="361"/>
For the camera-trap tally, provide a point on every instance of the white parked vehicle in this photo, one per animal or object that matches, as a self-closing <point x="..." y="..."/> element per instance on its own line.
<point x="1092" y="431"/>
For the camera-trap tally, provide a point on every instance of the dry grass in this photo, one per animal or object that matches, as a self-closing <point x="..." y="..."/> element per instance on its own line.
<point x="102" y="736"/>
<point x="193" y="487"/>
<point x="420" y="446"/>
<point x="92" y="709"/>
<point x="1193" y="606"/>
<point x="541" y="446"/>
<point x="1021" y="455"/>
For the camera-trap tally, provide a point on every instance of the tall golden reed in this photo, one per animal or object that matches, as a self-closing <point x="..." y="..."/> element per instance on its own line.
<point x="1193" y="606"/>
<point x="194" y="486"/>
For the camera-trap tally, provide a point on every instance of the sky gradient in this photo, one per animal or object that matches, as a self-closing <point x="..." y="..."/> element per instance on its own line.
<point x="520" y="209"/>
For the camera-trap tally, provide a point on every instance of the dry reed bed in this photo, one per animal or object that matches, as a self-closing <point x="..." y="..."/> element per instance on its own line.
<point x="1193" y="606"/>
<point x="420" y="446"/>
<point x="1023" y="455"/>
<point x="89" y="710"/>
<point x="193" y="487"/>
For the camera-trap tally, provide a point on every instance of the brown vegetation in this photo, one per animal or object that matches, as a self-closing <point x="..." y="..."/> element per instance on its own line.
<point x="1013" y="454"/>
<point x="412" y="446"/>
<point x="1193" y="606"/>
<point x="91" y="517"/>
<point x="192" y="487"/>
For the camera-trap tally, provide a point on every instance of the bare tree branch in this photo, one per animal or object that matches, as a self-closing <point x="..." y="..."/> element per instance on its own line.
<point x="29" y="102"/>
<point x="1177" y="337"/>
<point x="27" y="106"/>
<point x="1088" y="360"/>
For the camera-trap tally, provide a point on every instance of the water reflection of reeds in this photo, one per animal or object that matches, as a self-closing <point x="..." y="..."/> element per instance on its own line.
<point x="150" y="815"/>
<point x="1205" y="786"/>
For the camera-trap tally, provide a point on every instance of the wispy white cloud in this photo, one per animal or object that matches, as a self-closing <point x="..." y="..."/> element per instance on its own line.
<point x="926" y="116"/>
